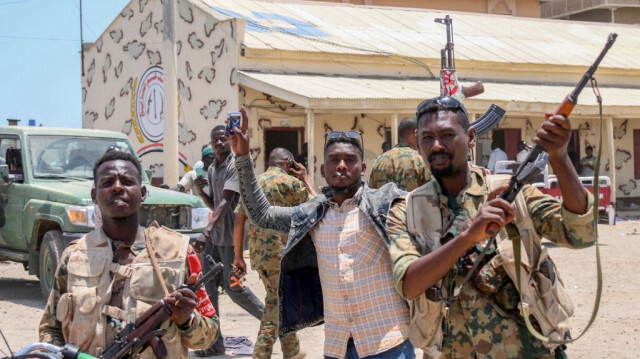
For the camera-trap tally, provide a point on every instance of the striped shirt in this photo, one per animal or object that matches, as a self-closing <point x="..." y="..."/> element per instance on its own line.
<point x="360" y="300"/>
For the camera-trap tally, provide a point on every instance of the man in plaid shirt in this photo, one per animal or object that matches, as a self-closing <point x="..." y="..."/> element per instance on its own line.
<point x="336" y="267"/>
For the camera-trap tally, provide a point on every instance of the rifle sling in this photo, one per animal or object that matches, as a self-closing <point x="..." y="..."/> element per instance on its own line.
<point x="514" y="235"/>
<point x="154" y="262"/>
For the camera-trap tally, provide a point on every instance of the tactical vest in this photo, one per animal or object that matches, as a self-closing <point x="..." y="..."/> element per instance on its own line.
<point x="542" y="289"/>
<point x="84" y="308"/>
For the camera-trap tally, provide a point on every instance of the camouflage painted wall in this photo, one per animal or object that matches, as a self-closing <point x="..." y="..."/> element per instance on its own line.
<point x="122" y="88"/>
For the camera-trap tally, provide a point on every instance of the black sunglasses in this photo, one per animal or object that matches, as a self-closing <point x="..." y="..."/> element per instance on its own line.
<point x="446" y="102"/>
<point x="334" y="135"/>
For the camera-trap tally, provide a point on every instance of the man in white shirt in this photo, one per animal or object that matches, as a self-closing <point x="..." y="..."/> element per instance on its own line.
<point x="497" y="154"/>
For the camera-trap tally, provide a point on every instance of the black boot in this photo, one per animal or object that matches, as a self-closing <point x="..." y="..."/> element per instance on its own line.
<point x="217" y="348"/>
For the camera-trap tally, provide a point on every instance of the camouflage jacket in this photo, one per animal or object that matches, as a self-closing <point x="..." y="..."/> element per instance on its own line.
<point x="401" y="165"/>
<point x="200" y="335"/>
<point x="281" y="189"/>
<point x="477" y="325"/>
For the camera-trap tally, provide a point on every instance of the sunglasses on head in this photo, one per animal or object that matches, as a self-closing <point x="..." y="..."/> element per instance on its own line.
<point x="334" y="135"/>
<point x="446" y="102"/>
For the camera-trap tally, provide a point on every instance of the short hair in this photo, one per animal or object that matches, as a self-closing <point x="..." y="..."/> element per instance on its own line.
<point x="278" y="155"/>
<point x="588" y="148"/>
<point x="444" y="103"/>
<point x="218" y="128"/>
<point x="495" y="144"/>
<point x="342" y="139"/>
<point x="114" y="156"/>
<point x="406" y="126"/>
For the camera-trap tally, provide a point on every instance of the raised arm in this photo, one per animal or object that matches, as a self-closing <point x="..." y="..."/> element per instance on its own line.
<point x="255" y="203"/>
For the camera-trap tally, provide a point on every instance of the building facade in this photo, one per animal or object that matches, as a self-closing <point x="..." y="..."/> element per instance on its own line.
<point x="305" y="68"/>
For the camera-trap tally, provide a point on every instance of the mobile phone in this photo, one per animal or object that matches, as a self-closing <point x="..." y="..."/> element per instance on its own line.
<point x="292" y="164"/>
<point x="233" y="120"/>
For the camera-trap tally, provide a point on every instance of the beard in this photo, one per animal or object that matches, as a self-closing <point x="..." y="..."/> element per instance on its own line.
<point x="341" y="189"/>
<point x="443" y="171"/>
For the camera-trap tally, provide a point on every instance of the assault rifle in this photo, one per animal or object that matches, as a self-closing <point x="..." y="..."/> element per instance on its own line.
<point x="449" y="85"/>
<point x="537" y="159"/>
<point x="530" y="167"/>
<point x="146" y="331"/>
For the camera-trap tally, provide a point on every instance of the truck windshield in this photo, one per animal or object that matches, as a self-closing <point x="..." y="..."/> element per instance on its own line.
<point x="73" y="157"/>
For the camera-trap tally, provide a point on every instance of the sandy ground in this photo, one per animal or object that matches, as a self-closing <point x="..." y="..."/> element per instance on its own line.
<point x="615" y="332"/>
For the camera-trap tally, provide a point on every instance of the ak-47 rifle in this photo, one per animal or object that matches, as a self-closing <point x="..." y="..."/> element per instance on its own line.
<point x="449" y="85"/>
<point x="537" y="159"/>
<point x="146" y="331"/>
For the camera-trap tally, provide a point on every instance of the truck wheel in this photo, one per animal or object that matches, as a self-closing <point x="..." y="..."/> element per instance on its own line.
<point x="50" y="251"/>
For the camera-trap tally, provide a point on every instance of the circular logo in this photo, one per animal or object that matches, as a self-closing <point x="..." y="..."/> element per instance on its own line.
<point x="150" y="104"/>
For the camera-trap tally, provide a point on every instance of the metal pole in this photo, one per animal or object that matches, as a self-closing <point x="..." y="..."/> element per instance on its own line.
<point x="394" y="129"/>
<point x="612" y="156"/>
<point x="310" y="146"/>
<point x="81" y="42"/>
<point x="170" y="91"/>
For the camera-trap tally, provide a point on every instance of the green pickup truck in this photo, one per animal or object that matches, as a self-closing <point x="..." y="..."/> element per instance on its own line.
<point x="46" y="175"/>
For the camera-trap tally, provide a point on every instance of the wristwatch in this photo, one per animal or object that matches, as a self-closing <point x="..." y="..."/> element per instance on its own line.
<point x="189" y="322"/>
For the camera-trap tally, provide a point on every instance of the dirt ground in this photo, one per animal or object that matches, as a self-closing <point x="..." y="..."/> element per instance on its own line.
<point x="615" y="332"/>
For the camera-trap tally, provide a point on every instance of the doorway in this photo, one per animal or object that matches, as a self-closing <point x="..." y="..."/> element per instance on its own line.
<point x="290" y="138"/>
<point x="508" y="139"/>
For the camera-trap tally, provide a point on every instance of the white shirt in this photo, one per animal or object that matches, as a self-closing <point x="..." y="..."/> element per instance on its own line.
<point x="496" y="155"/>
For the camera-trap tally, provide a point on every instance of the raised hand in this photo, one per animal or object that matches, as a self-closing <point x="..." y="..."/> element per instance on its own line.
<point x="553" y="136"/>
<point x="240" y="139"/>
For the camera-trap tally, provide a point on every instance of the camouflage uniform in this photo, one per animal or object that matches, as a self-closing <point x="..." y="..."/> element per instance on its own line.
<point x="401" y="165"/>
<point x="265" y="248"/>
<point x="50" y="330"/>
<point x="481" y="325"/>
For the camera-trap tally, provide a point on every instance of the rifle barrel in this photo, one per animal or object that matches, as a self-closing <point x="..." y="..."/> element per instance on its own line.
<point x="592" y="69"/>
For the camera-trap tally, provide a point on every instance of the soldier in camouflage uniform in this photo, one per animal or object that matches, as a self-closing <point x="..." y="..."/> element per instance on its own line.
<point x="402" y="164"/>
<point x="266" y="246"/>
<point x="118" y="193"/>
<point x="484" y="321"/>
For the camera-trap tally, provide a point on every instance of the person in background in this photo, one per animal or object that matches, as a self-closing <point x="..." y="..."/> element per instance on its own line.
<point x="287" y="186"/>
<point x="217" y="239"/>
<point x="386" y="146"/>
<point x="497" y="155"/>
<point x="523" y="152"/>
<point x="587" y="163"/>
<point x="188" y="180"/>
<point x="402" y="164"/>
<point x="336" y="265"/>
<point x="302" y="158"/>
<point x="93" y="291"/>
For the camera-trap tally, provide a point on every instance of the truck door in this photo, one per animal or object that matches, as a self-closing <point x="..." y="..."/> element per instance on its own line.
<point x="12" y="194"/>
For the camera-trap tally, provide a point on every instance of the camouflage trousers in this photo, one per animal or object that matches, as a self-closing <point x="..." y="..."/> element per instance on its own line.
<point x="268" y="332"/>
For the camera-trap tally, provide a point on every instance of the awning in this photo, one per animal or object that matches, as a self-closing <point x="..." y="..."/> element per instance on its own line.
<point x="326" y="93"/>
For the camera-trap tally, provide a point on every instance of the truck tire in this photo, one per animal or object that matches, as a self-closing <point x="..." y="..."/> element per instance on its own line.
<point x="50" y="251"/>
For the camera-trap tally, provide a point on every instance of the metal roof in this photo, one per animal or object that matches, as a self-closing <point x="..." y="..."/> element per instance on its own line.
<point x="347" y="29"/>
<point x="326" y="92"/>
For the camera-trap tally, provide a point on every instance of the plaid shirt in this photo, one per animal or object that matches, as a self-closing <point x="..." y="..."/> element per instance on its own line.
<point x="360" y="300"/>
